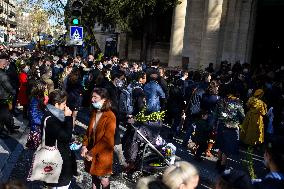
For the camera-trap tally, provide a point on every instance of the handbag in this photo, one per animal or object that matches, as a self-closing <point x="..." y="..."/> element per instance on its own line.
<point x="47" y="162"/>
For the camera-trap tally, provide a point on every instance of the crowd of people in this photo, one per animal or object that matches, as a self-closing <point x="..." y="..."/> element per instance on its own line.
<point x="221" y="109"/>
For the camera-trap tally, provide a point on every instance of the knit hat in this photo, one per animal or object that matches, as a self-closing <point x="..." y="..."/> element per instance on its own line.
<point x="258" y="93"/>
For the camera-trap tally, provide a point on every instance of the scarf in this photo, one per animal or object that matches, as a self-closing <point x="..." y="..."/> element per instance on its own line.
<point x="56" y="112"/>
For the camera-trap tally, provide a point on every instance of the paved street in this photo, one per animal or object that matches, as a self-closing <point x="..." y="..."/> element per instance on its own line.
<point x="16" y="160"/>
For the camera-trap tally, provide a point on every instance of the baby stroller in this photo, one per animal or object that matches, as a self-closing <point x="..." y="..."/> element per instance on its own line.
<point x="144" y="146"/>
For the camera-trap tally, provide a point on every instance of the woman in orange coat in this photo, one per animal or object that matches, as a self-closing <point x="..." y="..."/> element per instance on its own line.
<point x="98" y="144"/>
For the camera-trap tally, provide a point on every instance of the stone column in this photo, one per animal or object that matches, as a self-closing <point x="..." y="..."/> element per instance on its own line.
<point x="177" y="34"/>
<point x="210" y="38"/>
<point x="237" y="33"/>
<point x="193" y="33"/>
<point x="202" y="32"/>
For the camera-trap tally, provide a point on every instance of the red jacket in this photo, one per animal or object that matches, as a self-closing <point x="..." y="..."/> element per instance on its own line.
<point x="22" y="96"/>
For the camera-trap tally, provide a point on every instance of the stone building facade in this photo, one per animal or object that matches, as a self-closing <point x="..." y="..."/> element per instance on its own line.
<point x="205" y="31"/>
<point x="8" y="23"/>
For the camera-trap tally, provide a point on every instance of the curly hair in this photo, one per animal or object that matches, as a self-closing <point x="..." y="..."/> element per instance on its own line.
<point x="213" y="88"/>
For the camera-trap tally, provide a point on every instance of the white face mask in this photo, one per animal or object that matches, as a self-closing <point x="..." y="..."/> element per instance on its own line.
<point x="26" y="69"/>
<point x="97" y="105"/>
<point x="100" y="66"/>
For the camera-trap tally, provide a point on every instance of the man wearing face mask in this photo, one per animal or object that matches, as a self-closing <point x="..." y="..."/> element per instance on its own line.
<point x="114" y="89"/>
<point x="6" y="90"/>
<point x="274" y="161"/>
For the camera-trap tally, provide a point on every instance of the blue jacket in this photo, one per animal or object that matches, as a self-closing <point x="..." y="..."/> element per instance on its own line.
<point x="35" y="115"/>
<point x="273" y="180"/>
<point x="153" y="92"/>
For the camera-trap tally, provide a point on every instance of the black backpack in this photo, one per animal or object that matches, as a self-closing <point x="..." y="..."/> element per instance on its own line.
<point x="125" y="103"/>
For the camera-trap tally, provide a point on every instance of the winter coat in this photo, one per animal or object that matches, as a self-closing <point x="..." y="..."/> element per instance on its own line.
<point x="114" y="94"/>
<point x="100" y="144"/>
<point x="209" y="102"/>
<point x="61" y="131"/>
<point x="74" y="90"/>
<point x="35" y="118"/>
<point x="253" y="125"/>
<point x="23" y="93"/>
<point x="138" y="97"/>
<point x="13" y="75"/>
<point x="153" y="92"/>
<point x="6" y="88"/>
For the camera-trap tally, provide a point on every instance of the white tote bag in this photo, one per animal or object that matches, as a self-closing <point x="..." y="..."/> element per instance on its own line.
<point x="47" y="162"/>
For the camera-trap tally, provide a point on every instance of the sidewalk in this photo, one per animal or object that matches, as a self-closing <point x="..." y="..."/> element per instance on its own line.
<point x="11" y="148"/>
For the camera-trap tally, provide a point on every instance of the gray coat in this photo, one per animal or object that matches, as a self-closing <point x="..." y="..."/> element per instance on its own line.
<point x="6" y="88"/>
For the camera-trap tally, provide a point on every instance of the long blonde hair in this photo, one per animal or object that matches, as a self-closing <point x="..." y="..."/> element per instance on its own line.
<point x="180" y="173"/>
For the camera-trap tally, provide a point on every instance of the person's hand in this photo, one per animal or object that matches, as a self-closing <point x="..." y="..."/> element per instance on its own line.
<point x="67" y="111"/>
<point x="130" y="120"/>
<point x="89" y="156"/>
<point x="84" y="151"/>
<point x="183" y="116"/>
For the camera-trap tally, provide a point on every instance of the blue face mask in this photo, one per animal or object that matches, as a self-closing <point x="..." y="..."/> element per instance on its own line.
<point x="97" y="105"/>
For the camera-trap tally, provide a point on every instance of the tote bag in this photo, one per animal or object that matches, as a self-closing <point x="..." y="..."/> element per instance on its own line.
<point x="47" y="162"/>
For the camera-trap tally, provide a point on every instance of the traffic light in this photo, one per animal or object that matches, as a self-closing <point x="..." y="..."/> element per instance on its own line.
<point x="76" y="12"/>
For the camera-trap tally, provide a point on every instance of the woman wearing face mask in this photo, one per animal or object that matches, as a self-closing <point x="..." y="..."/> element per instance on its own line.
<point x="98" y="143"/>
<point x="59" y="130"/>
<point x="23" y="96"/>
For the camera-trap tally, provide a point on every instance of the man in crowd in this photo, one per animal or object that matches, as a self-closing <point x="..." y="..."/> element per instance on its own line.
<point x="6" y="91"/>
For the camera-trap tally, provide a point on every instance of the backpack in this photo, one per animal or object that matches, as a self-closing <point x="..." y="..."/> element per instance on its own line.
<point x="194" y="102"/>
<point x="125" y="104"/>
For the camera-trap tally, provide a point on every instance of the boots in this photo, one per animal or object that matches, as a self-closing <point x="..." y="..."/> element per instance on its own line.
<point x="208" y="151"/>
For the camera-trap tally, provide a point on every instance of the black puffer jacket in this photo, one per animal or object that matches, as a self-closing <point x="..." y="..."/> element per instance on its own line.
<point x="6" y="88"/>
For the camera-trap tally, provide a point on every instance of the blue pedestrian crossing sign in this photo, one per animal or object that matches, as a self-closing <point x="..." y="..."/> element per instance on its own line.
<point x="76" y="33"/>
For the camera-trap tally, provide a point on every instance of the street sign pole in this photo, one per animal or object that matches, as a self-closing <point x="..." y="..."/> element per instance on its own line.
<point x="75" y="51"/>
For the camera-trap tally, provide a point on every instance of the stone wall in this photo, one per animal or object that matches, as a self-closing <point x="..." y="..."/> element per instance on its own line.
<point x="178" y="25"/>
<point x="157" y="50"/>
<point x="214" y="30"/>
<point x="203" y="31"/>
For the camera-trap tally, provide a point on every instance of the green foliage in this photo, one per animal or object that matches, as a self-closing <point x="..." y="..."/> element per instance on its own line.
<point x="249" y="164"/>
<point x="126" y="14"/>
<point x="100" y="57"/>
<point x="155" y="116"/>
<point x="53" y="8"/>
